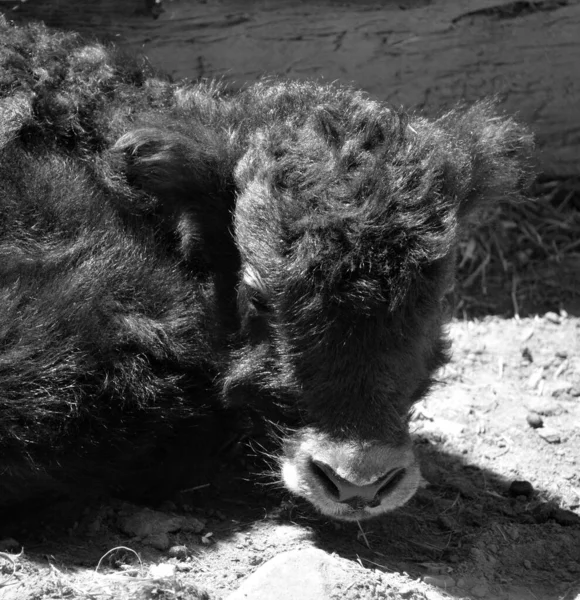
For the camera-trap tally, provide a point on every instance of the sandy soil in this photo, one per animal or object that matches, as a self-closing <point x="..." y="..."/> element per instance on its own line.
<point x="469" y="530"/>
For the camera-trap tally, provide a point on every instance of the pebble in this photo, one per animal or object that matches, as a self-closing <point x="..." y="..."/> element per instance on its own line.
<point x="543" y="406"/>
<point x="9" y="545"/>
<point x="440" y="581"/>
<point x="162" y="571"/>
<point x="527" y="355"/>
<point x="255" y="560"/>
<point x="159" y="541"/>
<point x="448" y="523"/>
<point x="521" y="488"/>
<point x="527" y="564"/>
<point x="535" y="378"/>
<point x="464" y="487"/>
<point x="559" y="388"/>
<point x="549" y="435"/>
<point x="565" y="517"/>
<point x="480" y="590"/>
<point x="553" y="317"/>
<point x="168" y="506"/>
<point x="528" y="334"/>
<point x="541" y="513"/>
<point x="147" y="522"/>
<point x="431" y="472"/>
<point x="178" y="551"/>
<point x="306" y="573"/>
<point x="534" y="420"/>
<point x="434" y="568"/>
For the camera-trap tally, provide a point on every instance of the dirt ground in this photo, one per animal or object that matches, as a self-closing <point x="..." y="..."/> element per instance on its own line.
<point x="470" y="530"/>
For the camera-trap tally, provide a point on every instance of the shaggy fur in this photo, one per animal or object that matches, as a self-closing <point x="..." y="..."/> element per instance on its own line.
<point x="169" y="249"/>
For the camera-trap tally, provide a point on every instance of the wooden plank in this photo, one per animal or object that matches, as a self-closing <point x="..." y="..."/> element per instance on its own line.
<point x="419" y="54"/>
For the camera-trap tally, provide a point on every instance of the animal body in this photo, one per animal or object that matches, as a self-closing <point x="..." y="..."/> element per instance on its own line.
<point x="169" y="251"/>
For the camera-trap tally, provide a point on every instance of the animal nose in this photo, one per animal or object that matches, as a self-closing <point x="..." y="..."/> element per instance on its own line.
<point x="348" y="492"/>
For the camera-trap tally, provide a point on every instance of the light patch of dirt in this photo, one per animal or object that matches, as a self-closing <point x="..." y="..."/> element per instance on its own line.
<point x="464" y="531"/>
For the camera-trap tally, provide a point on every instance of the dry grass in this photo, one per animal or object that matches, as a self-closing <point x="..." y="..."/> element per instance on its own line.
<point x="135" y="582"/>
<point x="524" y="258"/>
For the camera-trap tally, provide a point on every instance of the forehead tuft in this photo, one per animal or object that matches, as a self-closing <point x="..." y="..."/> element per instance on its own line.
<point x="344" y="198"/>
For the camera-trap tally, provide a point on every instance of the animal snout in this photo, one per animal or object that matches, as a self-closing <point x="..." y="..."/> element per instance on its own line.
<point x="350" y="479"/>
<point x="351" y="492"/>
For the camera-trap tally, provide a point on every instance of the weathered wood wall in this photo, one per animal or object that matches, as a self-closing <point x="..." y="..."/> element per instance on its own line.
<point x="419" y="53"/>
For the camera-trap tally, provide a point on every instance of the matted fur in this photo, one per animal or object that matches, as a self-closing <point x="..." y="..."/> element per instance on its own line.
<point x="170" y="249"/>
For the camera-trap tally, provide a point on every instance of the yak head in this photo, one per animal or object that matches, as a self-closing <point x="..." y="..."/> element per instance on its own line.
<point x="339" y="234"/>
<point x="346" y="221"/>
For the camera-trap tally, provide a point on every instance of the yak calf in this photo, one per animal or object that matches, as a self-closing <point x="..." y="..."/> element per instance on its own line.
<point x="173" y="250"/>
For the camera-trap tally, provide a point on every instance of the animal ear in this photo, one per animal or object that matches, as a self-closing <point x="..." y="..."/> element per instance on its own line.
<point x="170" y="165"/>
<point x="489" y="156"/>
<point x="181" y="183"/>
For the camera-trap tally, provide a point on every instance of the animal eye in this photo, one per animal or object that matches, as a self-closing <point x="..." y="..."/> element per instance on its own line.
<point x="257" y="292"/>
<point x="259" y="302"/>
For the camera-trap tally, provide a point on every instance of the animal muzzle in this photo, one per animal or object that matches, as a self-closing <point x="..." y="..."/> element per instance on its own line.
<point x="350" y="480"/>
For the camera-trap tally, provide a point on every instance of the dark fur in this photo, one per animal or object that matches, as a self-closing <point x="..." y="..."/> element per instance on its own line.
<point x="131" y="207"/>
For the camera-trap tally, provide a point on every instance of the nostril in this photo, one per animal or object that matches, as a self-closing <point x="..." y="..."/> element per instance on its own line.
<point x="392" y="481"/>
<point x="345" y="491"/>
<point x="325" y="479"/>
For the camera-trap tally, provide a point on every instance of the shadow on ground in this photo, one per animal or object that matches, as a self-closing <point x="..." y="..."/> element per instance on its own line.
<point x="465" y="523"/>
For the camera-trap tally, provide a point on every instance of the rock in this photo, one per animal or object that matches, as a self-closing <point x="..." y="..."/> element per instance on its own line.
<point x="559" y="387"/>
<point x="255" y="560"/>
<point x="543" y="406"/>
<point x="160" y="541"/>
<point x="167" y="506"/>
<point x="308" y="574"/>
<point x="192" y="525"/>
<point x="553" y="317"/>
<point x="434" y="568"/>
<point x="440" y="581"/>
<point x="534" y="420"/>
<point x="535" y="378"/>
<point x="9" y="545"/>
<point x="431" y="472"/>
<point x="541" y="513"/>
<point x="527" y="355"/>
<point x="480" y="590"/>
<point x="464" y="487"/>
<point x="448" y="523"/>
<point x="162" y="571"/>
<point x="521" y="488"/>
<point x="549" y="435"/>
<point x="146" y="522"/>
<point x="528" y="334"/>
<point x="527" y="564"/>
<point x="565" y="517"/>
